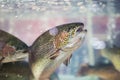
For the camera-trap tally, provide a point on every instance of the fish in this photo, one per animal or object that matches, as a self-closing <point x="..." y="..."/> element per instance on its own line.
<point x="11" y="48"/>
<point x="48" y="51"/>
<point x="19" y="70"/>
<point x="102" y="71"/>
<point x="54" y="47"/>
<point x="112" y="54"/>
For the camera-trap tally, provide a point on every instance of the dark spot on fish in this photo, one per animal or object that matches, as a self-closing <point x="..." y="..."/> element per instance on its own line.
<point x="68" y="29"/>
<point x="79" y="29"/>
<point x="81" y="24"/>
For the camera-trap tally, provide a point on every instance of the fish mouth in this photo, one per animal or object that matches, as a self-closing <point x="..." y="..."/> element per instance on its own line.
<point x="78" y="37"/>
<point x="81" y="29"/>
<point x="80" y="33"/>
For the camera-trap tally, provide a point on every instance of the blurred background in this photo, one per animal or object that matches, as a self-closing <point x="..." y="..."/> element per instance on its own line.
<point x="27" y="19"/>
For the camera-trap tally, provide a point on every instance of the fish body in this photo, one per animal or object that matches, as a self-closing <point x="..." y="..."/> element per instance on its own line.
<point x="11" y="48"/>
<point x="112" y="54"/>
<point x="15" y="71"/>
<point x="51" y="49"/>
<point x="103" y="71"/>
<point x="19" y="70"/>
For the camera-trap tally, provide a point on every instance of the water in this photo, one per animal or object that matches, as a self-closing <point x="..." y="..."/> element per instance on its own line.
<point x="27" y="19"/>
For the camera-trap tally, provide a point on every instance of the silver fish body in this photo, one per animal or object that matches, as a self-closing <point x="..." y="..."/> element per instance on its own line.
<point x="49" y="51"/>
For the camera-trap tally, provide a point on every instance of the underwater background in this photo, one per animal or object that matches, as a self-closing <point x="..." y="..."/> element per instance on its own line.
<point x="27" y="19"/>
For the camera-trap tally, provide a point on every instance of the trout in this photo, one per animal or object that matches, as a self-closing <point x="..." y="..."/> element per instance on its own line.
<point x="49" y="50"/>
<point x="11" y="48"/>
<point x="112" y="54"/>
<point x="103" y="71"/>
<point x="19" y="70"/>
<point x="54" y="47"/>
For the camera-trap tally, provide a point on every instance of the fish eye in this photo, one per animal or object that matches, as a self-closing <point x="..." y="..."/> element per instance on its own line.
<point x="79" y="29"/>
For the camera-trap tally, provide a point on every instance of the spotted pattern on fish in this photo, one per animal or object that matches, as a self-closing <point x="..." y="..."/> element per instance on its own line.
<point x="61" y="40"/>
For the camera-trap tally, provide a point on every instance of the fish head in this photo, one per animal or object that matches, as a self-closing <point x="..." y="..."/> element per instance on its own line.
<point x="76" y="35"/>
<point x="69" y="35"/>
<point x="62" y="36"/>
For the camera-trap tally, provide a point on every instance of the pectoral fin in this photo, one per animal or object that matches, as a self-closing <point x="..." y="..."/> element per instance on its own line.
<point x="67" y="61"/>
